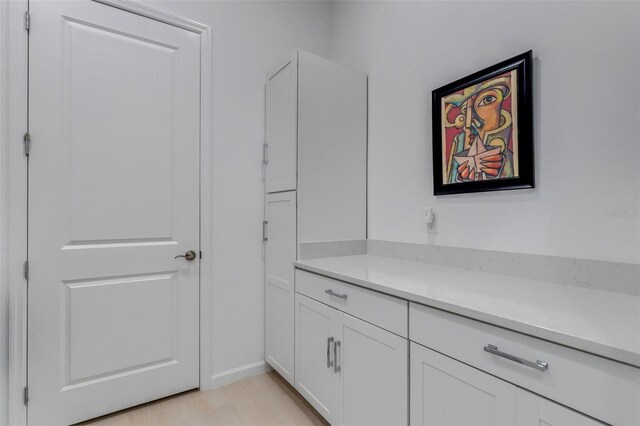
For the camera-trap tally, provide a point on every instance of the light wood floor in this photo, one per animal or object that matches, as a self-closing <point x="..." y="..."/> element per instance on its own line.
<point x="261" y="400"/>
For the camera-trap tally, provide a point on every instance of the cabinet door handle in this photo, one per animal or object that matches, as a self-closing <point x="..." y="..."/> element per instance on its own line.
<point x="334" y="294"/>
<point x="329" y="342"/>
<point x="538" y="365"/>
<point x="336" y="368"/>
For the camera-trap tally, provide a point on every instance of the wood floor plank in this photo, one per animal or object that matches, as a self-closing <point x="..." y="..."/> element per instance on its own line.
<point x="216" y="397"/>
<point x="249" y="412"/>
<point x="263" y="400"/>
<point x="225" y="416"/>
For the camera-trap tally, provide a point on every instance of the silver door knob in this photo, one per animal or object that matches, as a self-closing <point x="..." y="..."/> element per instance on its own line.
<point x="190" y="255"/>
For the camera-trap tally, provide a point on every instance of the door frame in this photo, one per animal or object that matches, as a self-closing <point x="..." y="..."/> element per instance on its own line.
<point x="13" y="195"/>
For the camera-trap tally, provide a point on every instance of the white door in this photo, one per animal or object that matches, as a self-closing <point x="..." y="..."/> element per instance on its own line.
<point x="447" y="392"/>
<point x="279" y="293"/>
<point x="534" y="410"/>
<point x="373" y="367"/>
<point x="282" y="126"/>
<point x="317" y="377"/>
<point x="113" y="197"/>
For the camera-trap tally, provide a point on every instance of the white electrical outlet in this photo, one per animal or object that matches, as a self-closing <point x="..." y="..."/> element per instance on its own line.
<point x="430" y="219"/>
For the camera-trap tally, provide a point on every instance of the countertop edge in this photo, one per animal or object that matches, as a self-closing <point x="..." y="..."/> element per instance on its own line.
<point x="577" y="343"/>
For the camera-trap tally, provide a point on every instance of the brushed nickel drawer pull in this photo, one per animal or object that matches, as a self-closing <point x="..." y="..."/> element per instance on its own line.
<point x="329" y="342"/>
<point x="338" y="295"/>
<point x="336" y="345"/>
<point x="538" y="365"/>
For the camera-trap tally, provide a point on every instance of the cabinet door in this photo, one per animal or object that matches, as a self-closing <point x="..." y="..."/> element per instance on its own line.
<point x="373" y="369"/>
<point x="447" y="392"/>
<point x="279" y="297"/>
<point x="281" y="126"/>
<point x="534" y="410"/>
<point x="315" y="377"/>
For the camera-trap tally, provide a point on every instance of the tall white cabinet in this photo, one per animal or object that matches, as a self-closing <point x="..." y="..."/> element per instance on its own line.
<point x="315" y="157"/>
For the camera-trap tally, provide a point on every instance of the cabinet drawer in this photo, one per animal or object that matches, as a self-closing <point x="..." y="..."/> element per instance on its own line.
<point x="385" y="311"/>
<point x="601" y="388"/>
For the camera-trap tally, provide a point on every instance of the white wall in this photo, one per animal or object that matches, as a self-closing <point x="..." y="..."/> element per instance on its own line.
<point x="586" y="107"/>
<point x="13" y="194"/>
<point x="249" y="38"/>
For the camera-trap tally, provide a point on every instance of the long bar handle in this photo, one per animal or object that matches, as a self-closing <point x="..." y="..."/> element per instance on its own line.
<point x="538" y="365"/>
<point x="334" y="294"/>
<point x="336" y="368"/>
<point x="265" y="237"/>
<point x="329" y="342"/>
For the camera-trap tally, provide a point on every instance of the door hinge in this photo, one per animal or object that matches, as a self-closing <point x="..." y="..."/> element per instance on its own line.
<point x="25" y="270"/>
<point x="25" y="396"/>
<point x="265" y="153"/>
<point x="26" y="139"/>
<point x="265" y="237"/>
<point x="27" y="21"/>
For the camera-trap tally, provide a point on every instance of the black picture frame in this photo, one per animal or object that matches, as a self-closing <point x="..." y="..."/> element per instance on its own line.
<point x="523" y="65"/>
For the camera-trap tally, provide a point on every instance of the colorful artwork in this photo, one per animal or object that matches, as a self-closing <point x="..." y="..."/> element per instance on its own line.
<point x="479" y="131"/>
<point x="477" y="139"/>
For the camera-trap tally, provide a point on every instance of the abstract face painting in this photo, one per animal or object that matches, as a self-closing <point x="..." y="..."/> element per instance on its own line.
<point x="477" y="139"/>
<point x="479" y="133"/>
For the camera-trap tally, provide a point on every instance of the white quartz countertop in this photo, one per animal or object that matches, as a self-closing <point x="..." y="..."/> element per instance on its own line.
<point x="600" y="322"/>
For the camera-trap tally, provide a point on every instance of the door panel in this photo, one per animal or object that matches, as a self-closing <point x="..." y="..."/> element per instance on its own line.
<point x="102" y="156"/>
<point x="282" y="127"/>
<point x="374" y="374"/>
<point x="315" y="377"/>
<point x="127" y="340"/>
<point x="279" y="290"/>
<point x="113" y="197"/>
<point x="447" y="392"/>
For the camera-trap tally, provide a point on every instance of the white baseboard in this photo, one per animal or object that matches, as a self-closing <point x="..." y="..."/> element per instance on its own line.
<point x="239" y="373"/>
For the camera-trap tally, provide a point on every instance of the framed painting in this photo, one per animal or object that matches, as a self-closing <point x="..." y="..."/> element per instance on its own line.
<point x="483" y="130"/>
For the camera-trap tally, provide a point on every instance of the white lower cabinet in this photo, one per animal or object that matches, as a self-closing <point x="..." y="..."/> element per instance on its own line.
<point x="374" y="374"/>
<point x="352" y="372"/>
<point x="280" y="250"/>
<point x="367" y="358"/>
<point x="447" y="392"/>
<point x="533" y="410"/>
<point x="315" y="339"/>
<point x="600" y="388"/>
